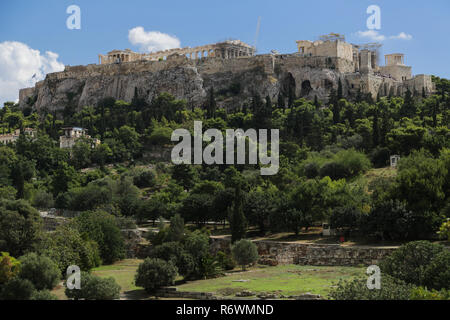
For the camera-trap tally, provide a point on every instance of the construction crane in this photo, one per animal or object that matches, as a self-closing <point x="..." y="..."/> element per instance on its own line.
<point x="258" y="27"/>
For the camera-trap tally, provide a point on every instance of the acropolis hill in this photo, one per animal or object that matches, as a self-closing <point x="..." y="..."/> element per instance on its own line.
<point x="230" y="66"/>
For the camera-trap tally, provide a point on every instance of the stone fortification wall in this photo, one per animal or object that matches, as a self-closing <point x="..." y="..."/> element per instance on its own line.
<point x="267" y="75"/>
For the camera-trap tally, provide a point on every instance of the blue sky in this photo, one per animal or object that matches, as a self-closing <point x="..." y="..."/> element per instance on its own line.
<point x="105" y="25"/>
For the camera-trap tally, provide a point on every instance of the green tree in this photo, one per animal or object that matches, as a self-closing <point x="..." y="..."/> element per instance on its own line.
<point x="102" y="227"/>
<point x="175" y="252"/>
<point x="17" y="289"/>
<point x="197" y="245"/>
<point x="238" y="222"/>
<point x="153" y="274"/>
<point x="126" y="196"/>
<point x="40" y="270"/>
<point x="245" y="252"/>
<point x="419" y="263"/>
<point x="20" y="226"/>
<point x="348" y="218"/>
<point x="81" y="153"/>
<point x="211" y="105"/>
<point x="421" y="182"/>
<point x="22" y="171"/>
<point x="176" y="229"/>
<point x="66" y="247"/>
<point x="185" y="175"/>
<point x="64" y="178"/>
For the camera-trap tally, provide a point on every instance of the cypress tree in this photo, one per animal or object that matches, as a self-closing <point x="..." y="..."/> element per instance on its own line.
<point x="339" y="90"/>
<point x="280" y="101"/>
<point x="238" y="221"/>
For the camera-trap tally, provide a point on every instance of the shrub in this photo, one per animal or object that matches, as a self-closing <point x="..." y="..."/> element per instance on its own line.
<point x="43" y="200"/>
<point x="333" y="170"/>
<point x="95" y="288"/>
<point x="380" y="157"/>
<point x="421" y="263"/>
<point x="444" y="230"/>
<point x="210" y="267"/>
<point x="40" y="270"/>
<point x="345" y="164"/>
<point x="311" y="170"/>
<point x="43" y="295"/>
<point x="437" y="273"/>
<point x="421" y="293"/>
<point x="226" y="262"/>
<point x="145" y="179"/>
<point x="90" y="197"/>
<point x="160" y="136"/>
<point x="245" y="253"/>
<point x="356" y="289"/>
<point x="17" y="289"/>
<point x="153" y="274"/>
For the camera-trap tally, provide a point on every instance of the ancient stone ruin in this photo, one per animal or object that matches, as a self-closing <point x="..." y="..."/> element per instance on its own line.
<point x="225" y="50"/>
<point x="235" y="73"/>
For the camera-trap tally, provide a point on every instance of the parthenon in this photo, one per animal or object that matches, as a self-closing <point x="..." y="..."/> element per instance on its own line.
<point x="227" y="50"/>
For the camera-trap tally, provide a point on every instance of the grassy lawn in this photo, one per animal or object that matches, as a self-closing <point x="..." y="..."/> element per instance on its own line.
<point x="285" y="279"/>
<point x="123" y="272"/>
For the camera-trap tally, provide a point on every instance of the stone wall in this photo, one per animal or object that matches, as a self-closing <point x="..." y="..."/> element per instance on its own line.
<point x="273" y="253"/>
<point x="189" y="79"/>
<point x="172" y="292"/>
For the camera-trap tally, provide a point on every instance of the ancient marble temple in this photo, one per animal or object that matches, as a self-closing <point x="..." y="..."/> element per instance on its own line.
<point x="227" y="50"/>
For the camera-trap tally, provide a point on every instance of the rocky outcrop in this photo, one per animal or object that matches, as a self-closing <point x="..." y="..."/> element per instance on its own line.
<point x="234" y="80"/>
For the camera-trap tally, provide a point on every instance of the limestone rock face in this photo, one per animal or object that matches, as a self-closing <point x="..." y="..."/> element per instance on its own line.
<point x="234" y="81"/>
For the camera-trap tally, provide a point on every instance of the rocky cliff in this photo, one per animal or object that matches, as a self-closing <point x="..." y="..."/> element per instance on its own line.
<point x="234" y="80"/>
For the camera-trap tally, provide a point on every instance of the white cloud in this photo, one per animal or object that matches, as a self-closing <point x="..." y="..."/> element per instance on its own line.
<point x="402" y="36"/>
<point x="372" y="35"/>
<point x="152" y="41"/>
<point x="18" y="64"/>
